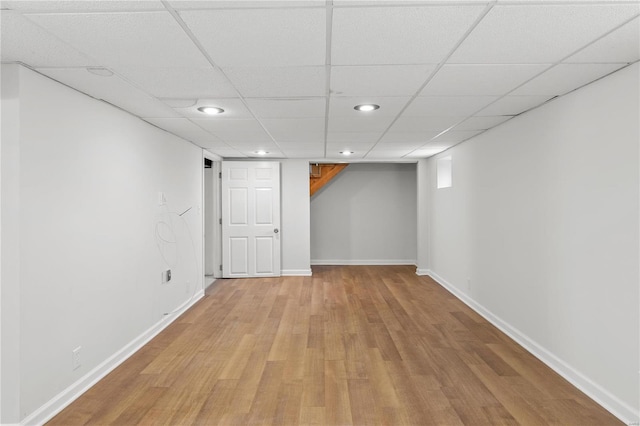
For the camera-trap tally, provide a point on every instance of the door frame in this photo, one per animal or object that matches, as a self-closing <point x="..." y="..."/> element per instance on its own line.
<point x="217" y="215"/>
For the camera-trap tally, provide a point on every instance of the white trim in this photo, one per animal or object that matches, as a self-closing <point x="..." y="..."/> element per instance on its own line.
<point x="217" y="206"/>
<point x="210" y="155"/>
<point x="295" y="272"/>
<point x="610" y="402"/>
<point x="422" y="272"/>
<point x="56" y="404"/>
<point x="363" y="261"/>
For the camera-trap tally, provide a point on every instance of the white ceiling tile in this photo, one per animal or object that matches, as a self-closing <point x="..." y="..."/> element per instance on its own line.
<point x="287" y="108"/>
<point x="235" y="4"/>
<point x="395" y="3"/>
<point x="118" y="40"/>
<point x="481" y="123"/>
<point x="227" y="153"/>
<point x="350" y="145"/>
<point x="536" y="34"/>
<point x="513" y="105"/>
<point x="390" y="154"/>
<point x="179" y="102"/>
<point x="564" y="78"/>
<point x="265" y="37"/>
<point x="235" y="130"/>
<point x="344" y="106"/>
<point x="192" y="83"/>
<point x="233" y="108"/>
<point x="292" y="129"/>
<point x="381" y="80"/>
<point x="357" y="137"/>
<point x="388" y="146"/>
<point x="304" y="153"/>
<point x="423" y="124"/>
<point x="301" y="145"/>
<point x="398" y="35"/>
<point x="23" y="41"/>
<point x="622" y="45"/>
<point x="366" y="124"/>
<point x="429" y="149"/>
<point x="278" y="82"/>
<point x="392" y="137"/>
<point x="113" y="90"/>
<point x="187" y="130"/>
<point x="71" y="6"/>
<point x="253" y="145"/>
<point x="444" y="106"/>
<point x="479" y="80"/>
<point x="453" y="136"/>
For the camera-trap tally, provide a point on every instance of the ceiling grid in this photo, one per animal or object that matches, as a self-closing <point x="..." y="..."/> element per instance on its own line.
<point x="288" y="74"/>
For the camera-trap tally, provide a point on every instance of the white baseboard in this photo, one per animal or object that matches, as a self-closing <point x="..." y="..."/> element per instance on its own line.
<point x="610" y="402"/>
<point x="363" y="262"/>
<point x="422" y="272"/>
<point x="56" y="404"/>
<point x="295" y="272"/>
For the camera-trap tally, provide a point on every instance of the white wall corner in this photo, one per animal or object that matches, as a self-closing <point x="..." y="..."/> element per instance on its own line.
<point x="56" y="404"/>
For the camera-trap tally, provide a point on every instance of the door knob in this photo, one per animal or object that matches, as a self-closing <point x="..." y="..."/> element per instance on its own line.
<point x="276" y="230"/>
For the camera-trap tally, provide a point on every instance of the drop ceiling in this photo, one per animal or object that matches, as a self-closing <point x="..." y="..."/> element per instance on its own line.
<point x="288" y="73"/>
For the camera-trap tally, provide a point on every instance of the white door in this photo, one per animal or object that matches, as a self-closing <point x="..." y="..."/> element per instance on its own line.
<point x="250" y="219"/>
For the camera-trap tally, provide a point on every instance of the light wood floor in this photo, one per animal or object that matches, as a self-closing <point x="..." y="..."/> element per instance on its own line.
<point x="350" y="345"/>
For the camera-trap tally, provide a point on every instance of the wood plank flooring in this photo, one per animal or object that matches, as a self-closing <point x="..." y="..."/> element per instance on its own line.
<point x="351" y="345"/>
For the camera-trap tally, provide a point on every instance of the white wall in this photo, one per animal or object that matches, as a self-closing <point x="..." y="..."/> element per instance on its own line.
<point x="543" y="219"/>
<point x="423" y="188"/>
<point x="10" y="260"/>
<point x="366" y="215"/>
<point x="89" y="254"/>
<point x="295" y="217"/>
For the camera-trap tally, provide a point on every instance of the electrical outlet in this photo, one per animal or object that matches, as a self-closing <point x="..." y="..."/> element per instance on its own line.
<point x="75" y="358"/>
<point x="166" y="276"/>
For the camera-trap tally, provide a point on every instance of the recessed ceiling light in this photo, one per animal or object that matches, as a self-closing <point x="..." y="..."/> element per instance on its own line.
<point x="101" y="71"/>
<point x="346" y="152"/>
<point x="261" y="152"/>
<point x="366" y="107"/>
<point x="210" y="110"/>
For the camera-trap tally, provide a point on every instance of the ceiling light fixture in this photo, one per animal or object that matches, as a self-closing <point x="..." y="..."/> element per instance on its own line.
<point x="346" y="152"/>
<point x="261" y="152"/>
<point x="366" y="107"/>
<point x="210" y="110"/>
